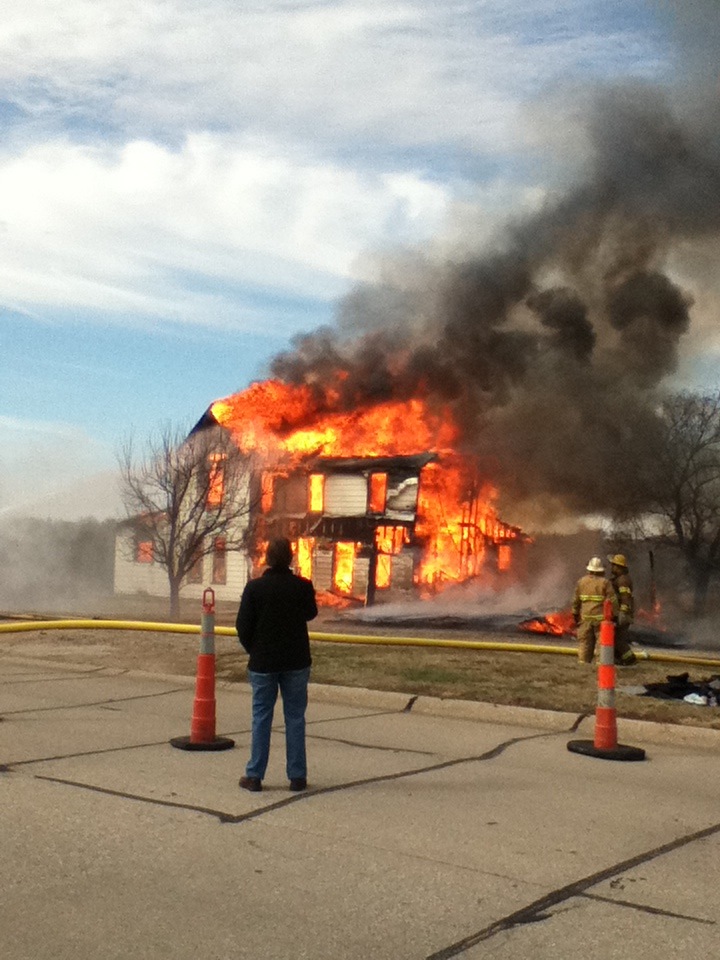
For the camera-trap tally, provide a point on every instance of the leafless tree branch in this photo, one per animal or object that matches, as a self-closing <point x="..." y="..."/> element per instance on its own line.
<point x="185" y="492"/>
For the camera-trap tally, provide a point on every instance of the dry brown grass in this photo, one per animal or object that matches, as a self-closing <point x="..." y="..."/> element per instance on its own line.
<point x="546" y="681"/>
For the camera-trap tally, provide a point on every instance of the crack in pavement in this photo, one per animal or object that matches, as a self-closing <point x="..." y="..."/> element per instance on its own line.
<point x="369" y="746"/>
<point x="538" y="909"/>
<point x="225" y="817"/>
<point x="643" y="908"/>
<point x="158" y="743"/>
<point x="95" y="703"/>
<point x="97" y="673"/>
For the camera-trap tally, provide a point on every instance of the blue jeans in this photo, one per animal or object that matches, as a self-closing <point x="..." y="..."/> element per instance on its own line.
<point x="293" y="686"/>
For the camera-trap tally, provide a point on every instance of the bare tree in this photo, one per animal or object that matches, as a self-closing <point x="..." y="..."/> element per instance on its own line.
<point x="677" y="484"/>
<point x="183" y="493"/>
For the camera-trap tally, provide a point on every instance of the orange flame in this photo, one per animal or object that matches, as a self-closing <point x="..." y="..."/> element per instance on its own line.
<point x="378" y="492"/>
<point x="457" y="519"/>
<point x="216" y="480"/>
<point x="317" y="492"/>
<point x="552" y="624"/>
<point x="388" y="541"/>
<point x="304" y="556"/>
<point x="344" y="565"/>
<point x="457" y="528"/>
<point x="276" y="418"/>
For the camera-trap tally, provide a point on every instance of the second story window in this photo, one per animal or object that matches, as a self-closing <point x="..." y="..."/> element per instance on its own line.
<point x="216" y="481"/>
<point x="377" y="492"/>
<point x="144" y="551"/>
<point x="316" y="493"/>
<point x="195" y="573"/>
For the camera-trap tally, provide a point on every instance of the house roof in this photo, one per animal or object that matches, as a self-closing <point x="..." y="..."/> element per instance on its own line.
<point x="206" y="422"/>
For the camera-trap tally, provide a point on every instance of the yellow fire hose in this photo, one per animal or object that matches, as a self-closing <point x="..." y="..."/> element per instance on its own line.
<point x="509" y="647"/>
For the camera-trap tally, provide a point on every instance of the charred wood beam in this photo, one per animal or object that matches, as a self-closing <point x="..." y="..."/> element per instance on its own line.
<point x="352" y="529"/>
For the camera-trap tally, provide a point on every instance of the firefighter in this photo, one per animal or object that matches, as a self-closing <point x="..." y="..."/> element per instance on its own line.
<point x="591" y="592"/>
<point x="622" y="585"/>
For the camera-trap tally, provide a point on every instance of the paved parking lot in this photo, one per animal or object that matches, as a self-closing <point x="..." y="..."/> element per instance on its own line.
<point x="431" y="830"/>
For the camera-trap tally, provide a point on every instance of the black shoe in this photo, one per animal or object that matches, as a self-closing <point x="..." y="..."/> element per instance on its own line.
<point x="253" y="784"/>
<point x="300" y="783"/>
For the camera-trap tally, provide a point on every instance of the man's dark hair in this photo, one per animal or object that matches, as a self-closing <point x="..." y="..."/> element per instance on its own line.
<point x="279" y="553"/>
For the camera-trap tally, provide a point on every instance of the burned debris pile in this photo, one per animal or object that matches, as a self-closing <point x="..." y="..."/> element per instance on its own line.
<point x="704" y="692"/>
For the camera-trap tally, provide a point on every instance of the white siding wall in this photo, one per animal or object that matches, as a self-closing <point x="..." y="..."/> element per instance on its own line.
<point x="151" y="579"/>
<point x="238" y="565"/>
<point x="132" y="577"/>
<point x="345" y="496"/>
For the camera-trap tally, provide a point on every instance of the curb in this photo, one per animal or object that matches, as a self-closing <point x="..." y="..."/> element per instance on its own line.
<point x="642" y="731"/>
<point x="552" y="720"/>
<point x="360" y="697"/>
<point x="497" y="713"/>
<point x="666" y="734"/>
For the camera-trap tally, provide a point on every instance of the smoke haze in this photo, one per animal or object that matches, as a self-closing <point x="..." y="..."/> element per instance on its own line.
<point x="53" y="563"/>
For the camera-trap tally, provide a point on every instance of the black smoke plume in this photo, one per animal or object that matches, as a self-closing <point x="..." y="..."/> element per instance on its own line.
<point x="552" y="347"/>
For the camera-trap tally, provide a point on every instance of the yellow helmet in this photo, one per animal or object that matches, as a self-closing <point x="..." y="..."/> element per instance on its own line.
<point x="618" y="560"/>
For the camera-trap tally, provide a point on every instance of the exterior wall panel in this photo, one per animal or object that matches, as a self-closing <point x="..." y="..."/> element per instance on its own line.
<point x="402" y="571"/>
<point x="322" y="569"/>
<point x="360" y="576"/>
<point x="346" y="496"/>
<point x="151" y="579"/>
<point x="132" y="577"/>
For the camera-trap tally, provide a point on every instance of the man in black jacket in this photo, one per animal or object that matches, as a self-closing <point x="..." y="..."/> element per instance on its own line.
<point x="272" y="627"/>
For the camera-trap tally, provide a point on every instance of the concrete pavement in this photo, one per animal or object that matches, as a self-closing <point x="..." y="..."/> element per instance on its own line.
<point x="431" y="830"/>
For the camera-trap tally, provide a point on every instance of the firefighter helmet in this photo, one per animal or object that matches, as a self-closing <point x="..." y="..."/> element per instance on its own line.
<point x="596" y="565"/>
<point x="618" y="560"/>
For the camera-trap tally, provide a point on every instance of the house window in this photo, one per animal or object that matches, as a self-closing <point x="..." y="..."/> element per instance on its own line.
<point x="383" y="570"/>
<point x="316" y="493"/>
<point x="195" y="573"/>
<point x="344" y="567"/>
<point x="388" y="541"/>
<point x="288" y="496"/>
<point x="219" y="565"/>
<point x="267" y="492"/>
<point x="144" y="551"/>
<point x="304" y="556"/>
<point x="377" y="492"/>
<point x="216" y="481"/>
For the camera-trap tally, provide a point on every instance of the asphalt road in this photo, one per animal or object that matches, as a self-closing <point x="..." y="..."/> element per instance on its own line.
<point x="431" y="830"/>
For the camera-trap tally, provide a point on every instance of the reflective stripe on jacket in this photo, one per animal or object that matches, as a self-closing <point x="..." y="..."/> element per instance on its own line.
<point x="591" y="592"/>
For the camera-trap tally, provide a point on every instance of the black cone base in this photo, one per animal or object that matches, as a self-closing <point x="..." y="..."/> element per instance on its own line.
<point x="219" y="743"/>
<point x="619" y="752"/>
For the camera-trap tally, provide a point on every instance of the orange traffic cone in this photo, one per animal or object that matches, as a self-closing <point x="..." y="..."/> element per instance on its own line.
<point x="202" y="724"/>
<point x="605" y="743"/>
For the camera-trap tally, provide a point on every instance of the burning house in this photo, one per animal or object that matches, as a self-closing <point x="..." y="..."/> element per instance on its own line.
<point x="363" y="525"/>
<point x="376" y="502"/>
<point x="373" y="499"/>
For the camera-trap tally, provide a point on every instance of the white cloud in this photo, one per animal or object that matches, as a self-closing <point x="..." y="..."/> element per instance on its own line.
<point x="174" y="160"/>
<point x="119" y="230"/>
<point x="397" y="73"/>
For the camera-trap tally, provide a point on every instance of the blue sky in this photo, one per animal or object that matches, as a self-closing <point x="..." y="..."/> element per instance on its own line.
<point x="185" y="186"/>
